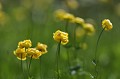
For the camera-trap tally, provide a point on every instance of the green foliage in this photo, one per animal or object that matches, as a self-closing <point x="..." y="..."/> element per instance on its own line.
<point x="34" y="19"/>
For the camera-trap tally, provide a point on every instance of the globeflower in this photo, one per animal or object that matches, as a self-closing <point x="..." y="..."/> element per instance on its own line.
<point x="20" y="53"/>
<point x="60" y="13"/>
<point x="42" y="48"/>
<point x="33" y="53"/>
<point x="107" y="24"/>
<point x="89" y="28"/>
<point x="25" y="44"/>
<point x="63" y="15"/>
<point x="68" y="16"/>
<point x="60" y="36"/>
<point x="73" y="4"/>
<point x="78" y="20"/>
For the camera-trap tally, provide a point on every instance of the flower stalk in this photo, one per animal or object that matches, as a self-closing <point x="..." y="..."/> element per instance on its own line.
<point x="96" y="61"/>
<point x="58" y="58"/>
<point x="107" y="25"/>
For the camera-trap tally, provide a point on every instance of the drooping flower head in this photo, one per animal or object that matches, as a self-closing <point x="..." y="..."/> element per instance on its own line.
<point x="25" y="44"/>
<point x="42" y="47"/>
<point x="20" y="53"/>
<point x="34" y="53"/>
<point x="107" y="24"/>
<point x="61" y="36"/>
<point x="89" y="28"/>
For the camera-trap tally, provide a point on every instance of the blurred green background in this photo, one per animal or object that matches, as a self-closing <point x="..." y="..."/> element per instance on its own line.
<point x="34" y="19"/>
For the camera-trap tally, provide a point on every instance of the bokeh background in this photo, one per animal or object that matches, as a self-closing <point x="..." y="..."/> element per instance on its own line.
<point x="34" y="19"/>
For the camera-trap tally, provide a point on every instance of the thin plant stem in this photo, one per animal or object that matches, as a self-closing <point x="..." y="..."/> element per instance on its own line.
<point x="96" y="62"/>
<point x="27" y="64"/>
<point x="66" y="30"/>
<point x="22" y="68"/>
<point x="74" y="36"/>
<point x="58" y="57"/>
<point x="74" y="41"/>
<point x="68" y="56"/>
<point x="29" y="67"/>
<point x="84" y="56"/>
<point x="21" y="65"/>
<point x="66" y="26"/>
<point x="31" y="28"/>
<point x="40" y="67"/>
<point x="30" y="62"/>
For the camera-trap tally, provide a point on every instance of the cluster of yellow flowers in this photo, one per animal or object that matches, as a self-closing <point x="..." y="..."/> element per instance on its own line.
<point x="24" y="49"/>
<point x="60" y="36"/>
<point x="63" y="15"/>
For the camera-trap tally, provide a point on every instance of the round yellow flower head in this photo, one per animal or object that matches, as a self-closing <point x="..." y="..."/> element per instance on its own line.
<point x="68" y="16"/>
<point x="34" y="53"/>
<point x="89" y="28"/>
<point x="78" y="20"/>
<point x="20" y="53"/>
<point x="107" y="24"/>
<point x="61" y="36"/>
<point x="25" y="44"/>
<point x="79" y="32"/>
<point x="42" y="47"/>
<point x="73" y="4"/>
<point x="59" y="13"/>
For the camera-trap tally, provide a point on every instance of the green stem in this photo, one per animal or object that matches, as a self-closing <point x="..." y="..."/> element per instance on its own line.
<point x="74" y="36"/>
<point x="68" y="57"/>
<point x="29" y="67"/>
<point x="58" y="57"/>
<point x="96" y="62"/>
<point x="21" y="65"/>
<point x="66" y="26"/>
<point x="66" y="30"/>
<point x="30" y="15"/>
<point x="40" y="67"/>
<point x="74" y="41"/>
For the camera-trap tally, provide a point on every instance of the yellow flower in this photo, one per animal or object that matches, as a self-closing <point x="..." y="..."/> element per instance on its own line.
<point x="80" y="32"/>
<point x="63" y="15"/>
<point x="73" y="4"/>
<point x="89" y="28"/>
<point x="68" y="16"/>
<point x="42" y="48"/>
<point x="78" y="20"/>
<point x="34" y="53"/>
<point x="25" y="44"/>
<point x="61" y="36"/>
<point x="20" y="53"/>
<point x="107" y="24"/>
<point x="60" y="13"/>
